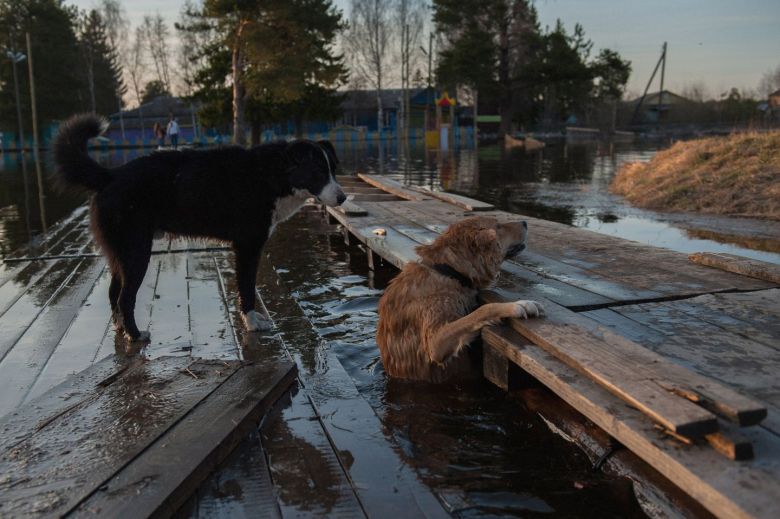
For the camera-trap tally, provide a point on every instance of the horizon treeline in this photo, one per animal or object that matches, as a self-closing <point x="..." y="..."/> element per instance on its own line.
<point x="250" y="63"/>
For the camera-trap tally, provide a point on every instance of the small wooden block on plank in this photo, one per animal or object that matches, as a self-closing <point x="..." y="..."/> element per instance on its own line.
<point x="739" y="265"/>
<point x="72" y="452"/>
<point x="391" y="186"/>
<point x="662" y="390"/>
<point x="350" y="208"/>
<point x="464" y="202"/>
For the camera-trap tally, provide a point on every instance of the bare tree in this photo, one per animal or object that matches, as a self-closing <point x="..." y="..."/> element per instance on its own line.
<point x="770" y="82"/>
<point x="156" y="34"/>
<point x="368" y="40"/>
<point x="194" y="35"/>
<point x="408" y="17"/>
<point x="135" y="62"/>
<point x="117" y="27"/>
<point x="135" y="65"/>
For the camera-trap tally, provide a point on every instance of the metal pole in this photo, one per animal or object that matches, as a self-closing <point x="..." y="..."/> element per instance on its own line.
<point x="20" y="137"/>
<point x="36" y="149"/>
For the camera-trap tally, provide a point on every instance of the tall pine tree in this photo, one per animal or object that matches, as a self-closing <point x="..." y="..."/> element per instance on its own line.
<point x="59" y="82"/>
<point x="276" y="52"/>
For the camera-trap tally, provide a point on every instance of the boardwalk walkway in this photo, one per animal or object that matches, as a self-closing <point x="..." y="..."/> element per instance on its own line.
<point x="676" y="361"/>
<point x="142" y="435"/>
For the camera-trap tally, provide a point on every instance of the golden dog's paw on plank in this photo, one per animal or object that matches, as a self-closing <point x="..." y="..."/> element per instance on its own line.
<point x="525" y="309"/>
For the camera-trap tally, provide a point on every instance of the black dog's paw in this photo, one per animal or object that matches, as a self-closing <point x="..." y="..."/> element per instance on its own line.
<point x="255" y="322"/>
<point x="143" y="336"/>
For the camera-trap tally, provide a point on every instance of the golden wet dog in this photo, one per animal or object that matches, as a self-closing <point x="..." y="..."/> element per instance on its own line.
<point x="429" y="312"/>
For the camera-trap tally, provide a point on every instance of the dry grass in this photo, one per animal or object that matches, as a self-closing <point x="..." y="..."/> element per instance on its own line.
<point x="737" y="175"/>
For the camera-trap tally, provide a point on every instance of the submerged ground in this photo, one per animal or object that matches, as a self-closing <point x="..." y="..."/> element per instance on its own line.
<point x="477" y="446"/>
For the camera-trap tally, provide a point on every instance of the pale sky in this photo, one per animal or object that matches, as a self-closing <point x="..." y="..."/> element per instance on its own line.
<point x="721" y="43"/>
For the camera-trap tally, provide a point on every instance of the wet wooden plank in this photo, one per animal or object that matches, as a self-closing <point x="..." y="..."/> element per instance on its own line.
<point x="308" y="476"/>
<point x="739" y="265"/>
<point x="728" y="490"/>
<point x="77" y="348"/>
<point x="746" y="366"/>
<point x="636" y="374"/>
<point x="22" y="423"/>
<point x="73" y="455"/>
<point x="212" y="336"/>
<point x="370" y="459"/>
<point x="169" y="325"/>
<point x="730" y="374"/>
<point x="464" y="202"/>
<point x="663" y="271"/>
<point x="240" y="487"/>
<point x="114" y="341"/>
<point x="565" y="284"/>
<point x="350" y="208"/>
<point x="391" y="186"/>
<point x="374" y="465"/>
<point x="749" y="315"/>
<point x="159" y="480"/>
<point x="35" y="272"/>
<point x="374" y="197"/>
<point x="31" y="350"/>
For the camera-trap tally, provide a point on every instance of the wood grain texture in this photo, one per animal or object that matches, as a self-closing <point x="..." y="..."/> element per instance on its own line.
<point x="739" y="265"/>
<point x="747" y="489"/>
<point x="71" y="456"/>
<point x="158" y="481"/>
<point x="637" y="375"/>
<point x="391" y="186"/>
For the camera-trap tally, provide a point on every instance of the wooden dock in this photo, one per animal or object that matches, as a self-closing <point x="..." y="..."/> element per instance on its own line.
<point x="90" y="428"/>
<point x="676" y="361"/>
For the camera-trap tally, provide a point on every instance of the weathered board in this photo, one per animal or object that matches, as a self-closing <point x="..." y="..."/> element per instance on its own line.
<point x="126" y="432"/>
<point x="635" y="374"/>
<point x="727" y="489"/>
<point x="642" y="310"/>
<point x="739" y="265"/>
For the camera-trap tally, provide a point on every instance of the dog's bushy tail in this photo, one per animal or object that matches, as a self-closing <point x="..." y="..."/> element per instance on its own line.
<point x="74" y="166"/>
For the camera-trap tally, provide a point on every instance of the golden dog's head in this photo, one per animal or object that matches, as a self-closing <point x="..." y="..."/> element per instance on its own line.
<point x="476" y="246"/>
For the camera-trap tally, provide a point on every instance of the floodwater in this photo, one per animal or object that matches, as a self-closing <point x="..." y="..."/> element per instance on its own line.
<point x="482" y="451"/>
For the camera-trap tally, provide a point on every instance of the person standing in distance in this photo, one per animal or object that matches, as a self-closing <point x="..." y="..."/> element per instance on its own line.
<point x="173" y="132"/>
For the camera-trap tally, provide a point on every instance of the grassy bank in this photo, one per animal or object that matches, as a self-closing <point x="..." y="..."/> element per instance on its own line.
<point x="736" y="175"/>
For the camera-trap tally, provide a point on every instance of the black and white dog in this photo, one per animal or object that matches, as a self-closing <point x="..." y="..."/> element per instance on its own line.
<point x="231" y="194"/>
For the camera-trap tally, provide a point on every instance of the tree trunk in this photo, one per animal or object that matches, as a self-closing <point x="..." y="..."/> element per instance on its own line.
<point x="298" y="124"/>
<point x="505" y="102"/>
<point x="255" y="132"/>
<point x="238" y="91"/>
<point x="379" y="114"/>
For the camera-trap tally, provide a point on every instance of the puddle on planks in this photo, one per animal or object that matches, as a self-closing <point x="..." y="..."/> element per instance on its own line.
<point x="474" y="445"/>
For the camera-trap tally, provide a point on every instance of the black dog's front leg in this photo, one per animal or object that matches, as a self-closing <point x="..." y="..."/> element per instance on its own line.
<point x="247" y="258"/>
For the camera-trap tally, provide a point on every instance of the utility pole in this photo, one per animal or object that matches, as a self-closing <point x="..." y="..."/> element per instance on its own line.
<point x="661" y="61"/>
<point x="661" y="92"/>
<point x="36" y="147"/>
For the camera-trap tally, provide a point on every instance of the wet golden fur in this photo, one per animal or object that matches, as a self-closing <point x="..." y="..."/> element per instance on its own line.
<point x="427" y="318"/>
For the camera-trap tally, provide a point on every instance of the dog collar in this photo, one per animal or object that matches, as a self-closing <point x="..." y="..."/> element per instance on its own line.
<point x="446" y="270"/>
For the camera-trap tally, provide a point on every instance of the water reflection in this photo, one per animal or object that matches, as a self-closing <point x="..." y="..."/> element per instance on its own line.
<point x="481" y="450"/>
<point x="568" y="183"/>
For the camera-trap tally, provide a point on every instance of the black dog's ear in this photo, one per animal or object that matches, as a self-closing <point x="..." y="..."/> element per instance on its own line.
<point x="298" y="151"/>
<point x="330" y="150"/>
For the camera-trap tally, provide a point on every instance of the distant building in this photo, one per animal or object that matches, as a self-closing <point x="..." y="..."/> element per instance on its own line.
<point x="360" y="108"/>
<point x="658" y="106"/>
<point x="139" y="122"/>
